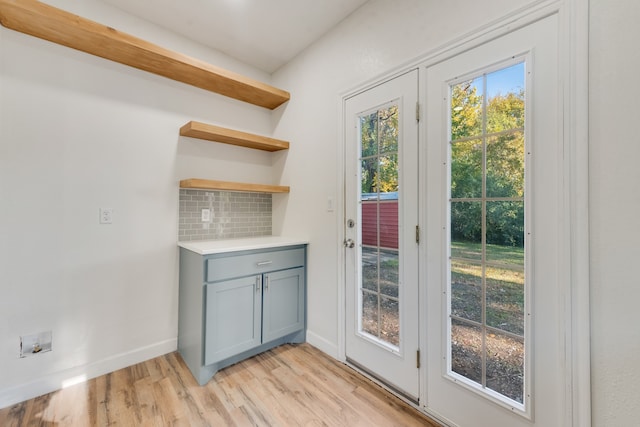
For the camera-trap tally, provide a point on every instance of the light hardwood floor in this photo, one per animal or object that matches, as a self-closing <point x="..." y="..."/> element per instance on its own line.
<point x="292" y="385"/>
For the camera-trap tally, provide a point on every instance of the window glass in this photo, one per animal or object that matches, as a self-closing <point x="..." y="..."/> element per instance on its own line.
<point x="466" y="109"/>
<point x="487" y="281"/>
<point x="380" y="289"/>
<point x="466" y="169"/>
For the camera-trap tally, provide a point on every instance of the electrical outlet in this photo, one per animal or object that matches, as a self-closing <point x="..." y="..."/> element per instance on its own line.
<point x="206" y="215"/>
<point x="33" y="344"/>
<point x="106" y="215"/>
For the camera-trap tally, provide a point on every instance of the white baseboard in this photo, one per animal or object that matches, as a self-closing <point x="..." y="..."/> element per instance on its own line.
<point x="79" y="374"/>
<point x="322" y="344"/>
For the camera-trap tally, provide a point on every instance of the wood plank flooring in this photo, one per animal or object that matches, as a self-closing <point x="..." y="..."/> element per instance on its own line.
<point x="292" y="385"/>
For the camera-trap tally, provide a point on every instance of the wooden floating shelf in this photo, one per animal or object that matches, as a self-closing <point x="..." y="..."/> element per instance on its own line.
<point x="207" y="184"/>
<point x="49" y="23"/>
<point x="233" y="137"/>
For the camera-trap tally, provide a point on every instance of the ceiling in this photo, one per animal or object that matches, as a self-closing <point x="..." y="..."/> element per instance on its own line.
<point x="263" y="33"/>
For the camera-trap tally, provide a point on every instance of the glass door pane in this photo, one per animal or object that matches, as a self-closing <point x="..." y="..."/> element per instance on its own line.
<point x="378" y="201"/>
<point x="486" y="222"/>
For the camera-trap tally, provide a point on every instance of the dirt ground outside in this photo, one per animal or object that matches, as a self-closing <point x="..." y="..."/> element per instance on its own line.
<point x="504" y="350"/>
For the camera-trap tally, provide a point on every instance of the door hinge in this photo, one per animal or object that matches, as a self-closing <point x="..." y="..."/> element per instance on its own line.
<point x="418" y="359"/>
<point x="417" y="234"/>
<point x="417" y="111"/>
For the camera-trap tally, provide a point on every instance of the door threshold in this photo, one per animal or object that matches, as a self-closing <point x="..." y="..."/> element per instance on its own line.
<point x="382" y="383"/>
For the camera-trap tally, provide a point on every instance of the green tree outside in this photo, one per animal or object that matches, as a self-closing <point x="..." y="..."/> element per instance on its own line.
<point x="504" y="171"/>
<point x="379" y="137"/>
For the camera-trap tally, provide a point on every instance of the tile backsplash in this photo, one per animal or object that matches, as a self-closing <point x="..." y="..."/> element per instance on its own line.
<point x="233" y="215"/>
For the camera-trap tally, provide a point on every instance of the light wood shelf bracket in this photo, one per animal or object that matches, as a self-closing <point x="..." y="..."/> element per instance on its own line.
<point x="230" y="136"/>
<point x="208" y="184"/>
<point x="49" y="23"/>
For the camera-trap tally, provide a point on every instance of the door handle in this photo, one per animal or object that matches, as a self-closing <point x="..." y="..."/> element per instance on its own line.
<point x="349" y="243"/>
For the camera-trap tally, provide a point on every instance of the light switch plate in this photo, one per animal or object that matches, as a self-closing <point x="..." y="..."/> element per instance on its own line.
<point x="330" y="204"/>
<point x="206" y="215"/>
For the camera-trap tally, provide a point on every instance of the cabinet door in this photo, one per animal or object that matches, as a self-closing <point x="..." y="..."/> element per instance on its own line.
<point x="283" y="309"/>
<point x="232" y="320"/>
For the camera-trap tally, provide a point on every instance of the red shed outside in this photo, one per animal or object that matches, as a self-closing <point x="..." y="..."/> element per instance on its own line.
<point x="387" y="209"/>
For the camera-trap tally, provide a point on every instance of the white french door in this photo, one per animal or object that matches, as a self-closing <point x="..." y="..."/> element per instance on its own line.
<point x="381" y="215"/>
<point x="480" y="294"/>
<point x="492" y="199"/>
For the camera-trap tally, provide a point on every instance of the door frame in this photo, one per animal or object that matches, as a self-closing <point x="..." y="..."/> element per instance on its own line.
<point x="574" y="239"/>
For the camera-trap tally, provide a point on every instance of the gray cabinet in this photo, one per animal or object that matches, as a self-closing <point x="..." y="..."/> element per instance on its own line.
<point x="235" y="305"/>
<point x="283" y="303"/>
<point x="233" y="318"/>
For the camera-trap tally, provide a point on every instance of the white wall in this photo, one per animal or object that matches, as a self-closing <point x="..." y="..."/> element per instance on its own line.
<point x="615" y="210"/>
<point x="78" y="133"/>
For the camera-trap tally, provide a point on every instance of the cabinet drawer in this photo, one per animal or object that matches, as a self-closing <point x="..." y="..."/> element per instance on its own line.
<point x="227" y="267"/>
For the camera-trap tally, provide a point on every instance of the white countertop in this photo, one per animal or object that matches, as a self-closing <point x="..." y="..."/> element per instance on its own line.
<point x="208" y="247"/>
